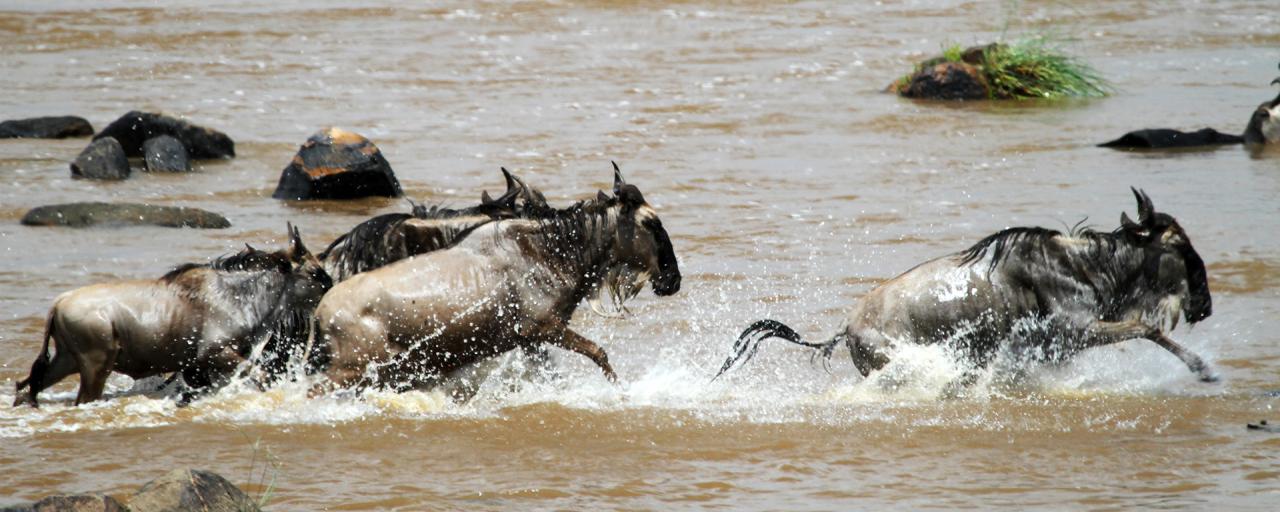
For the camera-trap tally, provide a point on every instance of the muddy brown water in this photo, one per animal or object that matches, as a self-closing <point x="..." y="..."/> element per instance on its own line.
<point x="790" y="185"/>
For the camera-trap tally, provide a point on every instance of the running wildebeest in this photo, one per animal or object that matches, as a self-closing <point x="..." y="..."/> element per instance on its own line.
<point x="510" y="284"/>
<point x="201" y="320"/>
<point x="1048" y="294"/>
<point x="395" y="236"/>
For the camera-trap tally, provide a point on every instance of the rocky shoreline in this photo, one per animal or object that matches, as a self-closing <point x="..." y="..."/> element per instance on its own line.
<point x="180" y="489"/>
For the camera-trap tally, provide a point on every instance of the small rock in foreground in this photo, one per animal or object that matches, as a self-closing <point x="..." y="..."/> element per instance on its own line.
<point x="53" y="127"/>
<point x="165" y="154"/>
<point x="102" y="159"/>
<point x="71" y="503"/>
<point x="123" y="214"/>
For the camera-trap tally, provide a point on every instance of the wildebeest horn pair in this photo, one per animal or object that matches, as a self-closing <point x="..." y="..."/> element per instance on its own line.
<point x="1145" y="211"/>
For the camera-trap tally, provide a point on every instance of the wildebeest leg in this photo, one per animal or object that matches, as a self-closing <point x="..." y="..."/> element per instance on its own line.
<point x="1106" y="333"/>
<point x="563" y="337"/>
<point x="95" y="366"/>
<point x="63" y="364"/>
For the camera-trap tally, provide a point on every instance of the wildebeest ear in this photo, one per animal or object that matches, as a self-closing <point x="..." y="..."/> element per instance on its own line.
<point x="484" y="197"/>
<point x="601" y="196"/>
<point x="1146" y="211"/>
<point x="1127" y="223"/>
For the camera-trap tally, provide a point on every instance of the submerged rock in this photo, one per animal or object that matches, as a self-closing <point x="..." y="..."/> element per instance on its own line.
<point x="165" y="154"/>
<point x="947" y="81"/>
<point x="123" y="214"/>
<point x="337" y="164"/>
<point x="191" y="489"/>
<point x="1168" y="138"/>
<point x="71" y="503"/>
<point x="103" y="159"/>
<point x="1264" y="426"/>
<point x="53" y="127"/>
<point x="134" y="128"/>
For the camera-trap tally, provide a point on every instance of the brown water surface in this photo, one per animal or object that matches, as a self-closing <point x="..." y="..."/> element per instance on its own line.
<point x="790" y="185"/>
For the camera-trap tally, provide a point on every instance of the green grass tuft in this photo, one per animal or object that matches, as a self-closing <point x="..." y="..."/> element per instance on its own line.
<point x="1029" y="68"/>
<point x="1034" y="68"/>
<point x="953" y="53"/>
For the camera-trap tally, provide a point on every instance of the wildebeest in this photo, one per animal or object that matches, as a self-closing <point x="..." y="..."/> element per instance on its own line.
<point x="202" y="320"/>
<point x="509" y="284"/>
<point x="1264" y="125"/>
<point x="395" y="236"/>
<point x="1047" y="294"/>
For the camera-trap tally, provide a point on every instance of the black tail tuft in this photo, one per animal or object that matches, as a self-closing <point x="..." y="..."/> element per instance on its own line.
<point x="748" y="342"/>
<point x="34" y="381"/>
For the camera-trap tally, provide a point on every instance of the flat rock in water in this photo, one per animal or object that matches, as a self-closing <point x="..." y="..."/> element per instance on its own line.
<point x="947" y="81"/>
<point x="337" y="164"/>
<point x="191" y="489"/>
<point x="1264" y="426"/>
<point x="123" y="214"/>
<point x="1157" y="138"/>
<point x="165" y="154"/>
<point x="54" y="127"/>
<point x="71" y="503"/>
<point x="103" y="159"/>
<point x="136" y="127"/>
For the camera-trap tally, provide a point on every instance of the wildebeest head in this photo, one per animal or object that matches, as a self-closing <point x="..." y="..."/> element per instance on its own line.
<point x="1173" y="265"/>
<point x="643" y="244"/>
<point x="1264" y="124"/>
<point x="309" y="280"/>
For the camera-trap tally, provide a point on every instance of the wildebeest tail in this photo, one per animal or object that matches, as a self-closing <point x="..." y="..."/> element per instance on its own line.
<point x="41" y="365"/>
<point x="748" y="342"/>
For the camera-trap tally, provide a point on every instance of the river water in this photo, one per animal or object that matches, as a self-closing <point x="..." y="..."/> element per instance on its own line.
<point x="790" y="185"/>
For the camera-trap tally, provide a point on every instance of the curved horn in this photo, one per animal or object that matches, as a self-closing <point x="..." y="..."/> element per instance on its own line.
<point x="1146" y="210"/>
<point x="512" y="181"/>
<point x="617" y="177"/>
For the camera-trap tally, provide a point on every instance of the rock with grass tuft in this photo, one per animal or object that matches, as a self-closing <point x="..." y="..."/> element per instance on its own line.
<point x="191" y="489"/>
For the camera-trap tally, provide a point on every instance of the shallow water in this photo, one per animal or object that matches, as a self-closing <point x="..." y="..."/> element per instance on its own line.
<point x="790" y="185"/>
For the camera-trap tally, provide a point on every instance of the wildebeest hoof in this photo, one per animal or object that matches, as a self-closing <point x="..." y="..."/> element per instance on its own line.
<point x="1207" y="376"/>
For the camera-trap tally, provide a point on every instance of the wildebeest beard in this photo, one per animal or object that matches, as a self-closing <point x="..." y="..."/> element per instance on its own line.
<point x="1201" y="302"/>
<point x="619" y="285"/>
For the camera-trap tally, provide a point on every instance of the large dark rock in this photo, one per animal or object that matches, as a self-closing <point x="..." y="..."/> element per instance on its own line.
<point x="946" y="81"/>
<point x="165" y="154"/>
<point x="136" y="127"/>
<point x="337" y="164"/>
<point x="123" y="214"/>
<point x="1156" y="138"/>
<point x="103" y="159"/>
<point x="58" y="127"/>
<point x="191" y="489"/>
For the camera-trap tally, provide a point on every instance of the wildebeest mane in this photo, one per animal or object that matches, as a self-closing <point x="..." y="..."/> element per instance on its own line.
<point x="1000" y="242"/>
<point x="566" y="231"/>
<point x="248" y="260"/>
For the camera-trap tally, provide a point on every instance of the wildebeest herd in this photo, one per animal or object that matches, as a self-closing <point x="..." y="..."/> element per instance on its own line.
<point x="405" y="300"/>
